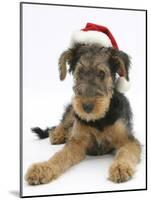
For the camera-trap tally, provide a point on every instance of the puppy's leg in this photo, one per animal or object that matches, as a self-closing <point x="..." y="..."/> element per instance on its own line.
<point x="127" y="156"/>
<point x="44" y="172"/>
<point x="61" y="133"/>
<point x="73" y="152"/>
<point x="124" y="164"/>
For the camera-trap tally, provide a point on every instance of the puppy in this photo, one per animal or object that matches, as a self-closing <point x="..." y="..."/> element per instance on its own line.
<point x="99" y="118"/>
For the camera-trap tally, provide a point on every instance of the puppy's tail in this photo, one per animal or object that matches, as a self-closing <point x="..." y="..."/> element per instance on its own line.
<point x="42" y="134"/>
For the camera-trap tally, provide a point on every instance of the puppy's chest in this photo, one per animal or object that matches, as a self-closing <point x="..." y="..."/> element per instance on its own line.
<point x="101" y="142"/>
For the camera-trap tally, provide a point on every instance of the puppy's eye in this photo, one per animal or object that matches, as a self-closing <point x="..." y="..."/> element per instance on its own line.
<point x="101" y="74"/>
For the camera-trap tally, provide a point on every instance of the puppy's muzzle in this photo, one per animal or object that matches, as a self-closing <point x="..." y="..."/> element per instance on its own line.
<point x="88" y="107"/>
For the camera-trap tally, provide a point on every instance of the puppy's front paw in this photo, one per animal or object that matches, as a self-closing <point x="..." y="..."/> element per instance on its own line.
<point x="120" y="171"/>
<point x="39" y="173"/>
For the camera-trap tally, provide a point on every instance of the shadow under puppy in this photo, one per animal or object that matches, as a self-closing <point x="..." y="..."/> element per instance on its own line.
<point x="99" y="119"/>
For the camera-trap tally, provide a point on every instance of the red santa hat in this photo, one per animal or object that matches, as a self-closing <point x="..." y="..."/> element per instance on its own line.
<point x="98" y="34"/>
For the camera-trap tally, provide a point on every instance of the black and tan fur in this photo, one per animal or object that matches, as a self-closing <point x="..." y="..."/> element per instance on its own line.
<point x="98" y="120"/>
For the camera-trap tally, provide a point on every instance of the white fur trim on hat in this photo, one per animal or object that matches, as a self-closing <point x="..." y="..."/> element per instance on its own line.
<point x="122" y="85"/>
<point x="90" y="37"/>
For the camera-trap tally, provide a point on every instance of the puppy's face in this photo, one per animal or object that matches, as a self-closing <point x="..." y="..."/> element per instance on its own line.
<point x="94" y="79"/>
<point x="93" y="85"/>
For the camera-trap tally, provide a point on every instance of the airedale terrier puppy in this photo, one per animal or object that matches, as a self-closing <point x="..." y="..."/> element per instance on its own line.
<point x="99" y="118"/>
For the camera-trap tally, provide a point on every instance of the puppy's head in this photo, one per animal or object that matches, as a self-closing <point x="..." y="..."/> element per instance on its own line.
<point x="94" y="70"/>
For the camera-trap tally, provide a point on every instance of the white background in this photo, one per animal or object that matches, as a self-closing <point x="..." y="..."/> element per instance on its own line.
<point x="10" y="100"/>
<point x="46" y="34"/>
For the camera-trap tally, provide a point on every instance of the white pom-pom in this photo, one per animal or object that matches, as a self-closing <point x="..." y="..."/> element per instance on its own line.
<point x="122" y="85"/>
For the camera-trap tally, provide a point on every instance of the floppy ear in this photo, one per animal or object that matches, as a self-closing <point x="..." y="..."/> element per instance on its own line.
<point x="64" y="59"/>
<point x="120" y="63"/>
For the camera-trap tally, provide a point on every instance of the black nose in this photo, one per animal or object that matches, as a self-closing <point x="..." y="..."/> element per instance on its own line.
<point x="88" y="107"/>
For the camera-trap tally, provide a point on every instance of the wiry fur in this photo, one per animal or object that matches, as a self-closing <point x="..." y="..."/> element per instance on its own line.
<point x="113" y="114"/>
<point x="98" y="120"/>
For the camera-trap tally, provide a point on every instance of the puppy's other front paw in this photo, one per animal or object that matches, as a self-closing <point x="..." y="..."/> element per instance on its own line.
<point x="39" y="173"/>
<point x="120" y="171"/>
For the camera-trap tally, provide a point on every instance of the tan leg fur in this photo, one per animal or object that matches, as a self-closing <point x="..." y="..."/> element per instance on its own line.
<point x="59" y="135"/>
<point x="63" y="131"/>
<point x="122" y="168"/>
<point x="73" y="152"/>
<point x="127" y="156"/>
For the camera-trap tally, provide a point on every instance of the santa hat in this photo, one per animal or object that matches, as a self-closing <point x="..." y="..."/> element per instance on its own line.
<point x="98" y="34"/>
